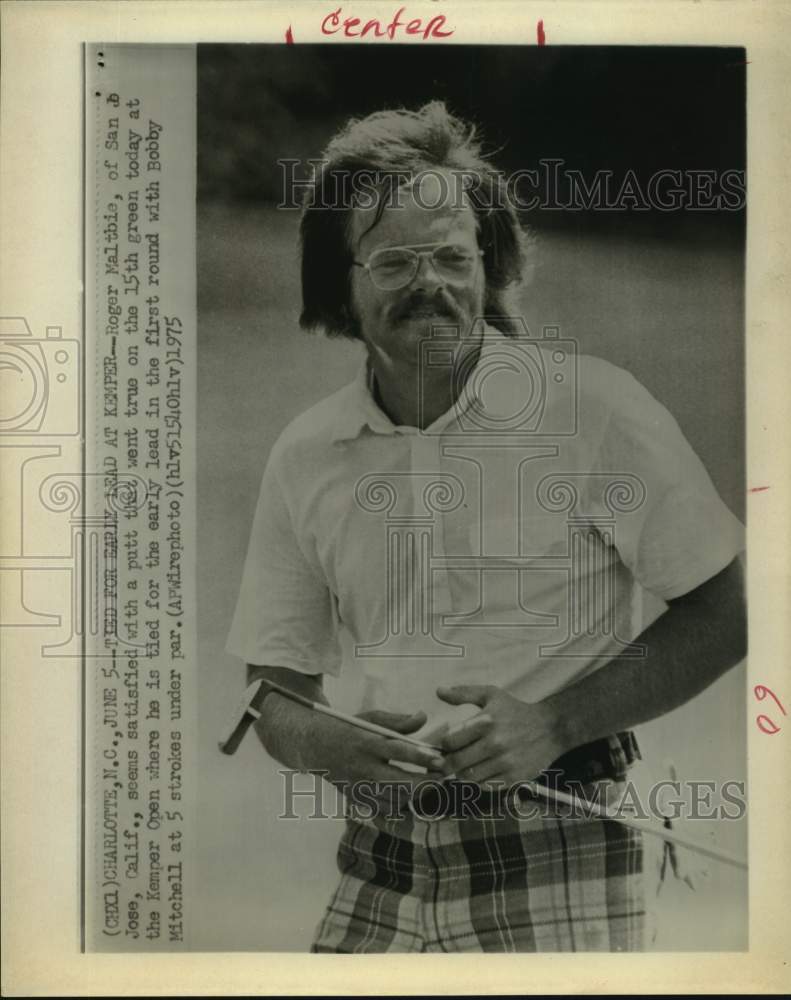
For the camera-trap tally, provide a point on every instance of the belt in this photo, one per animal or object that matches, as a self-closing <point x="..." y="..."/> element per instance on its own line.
<point x="610" y="757"/>
<point x="606" y="759"/>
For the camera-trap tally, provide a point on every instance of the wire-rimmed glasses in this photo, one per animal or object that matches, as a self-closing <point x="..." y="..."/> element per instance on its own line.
<point x="390" y="268"/>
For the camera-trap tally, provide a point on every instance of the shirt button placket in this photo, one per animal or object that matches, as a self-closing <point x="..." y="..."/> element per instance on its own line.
<point x="426" y="464"/>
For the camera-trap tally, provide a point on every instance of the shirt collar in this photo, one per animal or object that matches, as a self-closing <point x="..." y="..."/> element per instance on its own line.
<point x="359" y="409"/>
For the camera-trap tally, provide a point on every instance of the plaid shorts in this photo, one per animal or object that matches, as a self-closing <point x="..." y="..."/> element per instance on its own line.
<point x="501" y="883"/>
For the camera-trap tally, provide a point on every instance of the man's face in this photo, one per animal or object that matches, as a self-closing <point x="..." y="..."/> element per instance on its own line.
<point x="393" y="322"/>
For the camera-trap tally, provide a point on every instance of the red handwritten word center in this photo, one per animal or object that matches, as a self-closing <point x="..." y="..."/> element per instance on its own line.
<point x="350" y="26"/>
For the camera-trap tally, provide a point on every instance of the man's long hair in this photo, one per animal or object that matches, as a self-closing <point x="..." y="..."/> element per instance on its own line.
<point x="377" y="154"/>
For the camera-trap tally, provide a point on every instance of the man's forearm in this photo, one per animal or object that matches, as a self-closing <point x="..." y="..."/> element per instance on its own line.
<point x="284" y="726"/>
<point x="345" y="755"/>
<point x="699" y="637"/>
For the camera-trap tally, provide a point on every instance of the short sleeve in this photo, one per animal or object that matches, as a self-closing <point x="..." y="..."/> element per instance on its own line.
<point x="679" y="533"/>
<point x="285" y="612"/>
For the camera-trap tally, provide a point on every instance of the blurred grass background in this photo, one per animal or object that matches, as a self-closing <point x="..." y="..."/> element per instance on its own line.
<point x="659" y="295"/>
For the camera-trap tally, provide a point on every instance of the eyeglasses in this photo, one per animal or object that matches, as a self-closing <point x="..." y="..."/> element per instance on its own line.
<point x="394" y="267"/>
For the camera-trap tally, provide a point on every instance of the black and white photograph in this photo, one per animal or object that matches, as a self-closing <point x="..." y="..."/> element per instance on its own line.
<point x="471" y="469"/>
<point x="393" y="556"/>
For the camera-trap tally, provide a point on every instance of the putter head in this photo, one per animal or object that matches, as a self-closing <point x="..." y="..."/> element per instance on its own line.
<point x="248" y="711"/>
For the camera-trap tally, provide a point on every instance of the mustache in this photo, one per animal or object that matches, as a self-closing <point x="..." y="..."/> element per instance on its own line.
<point x="419" y="302"/>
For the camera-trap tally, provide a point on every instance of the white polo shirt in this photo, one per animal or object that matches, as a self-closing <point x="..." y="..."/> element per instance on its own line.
<point x="512" y="542"/>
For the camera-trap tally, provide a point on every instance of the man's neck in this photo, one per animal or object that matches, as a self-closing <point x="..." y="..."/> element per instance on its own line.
<point x="411" y="398"/>
<point x="403" y="404"/>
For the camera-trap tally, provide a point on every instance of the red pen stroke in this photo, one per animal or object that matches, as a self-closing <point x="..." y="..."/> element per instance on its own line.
<point x="542" y="38"/>
<point x="761" y="691"/>
<point x="757" y="489"/>
<point x="768" y="726"/>
<point x="289" y="36"/>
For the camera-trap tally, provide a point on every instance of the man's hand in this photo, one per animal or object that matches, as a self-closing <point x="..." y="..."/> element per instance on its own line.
<point x="357" y="762"/>
<point x="700" y="636"/>
<point x="352" y="755"/>
<point x="509" y="741"/>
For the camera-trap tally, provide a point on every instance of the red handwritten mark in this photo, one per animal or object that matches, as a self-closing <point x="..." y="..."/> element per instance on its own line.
<point x="764" y="723"/>
<point x="542" y="38"/>
<point x="757" y="489"/>
<point x="289" y="36"/>
<point x="350" y="26"/>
